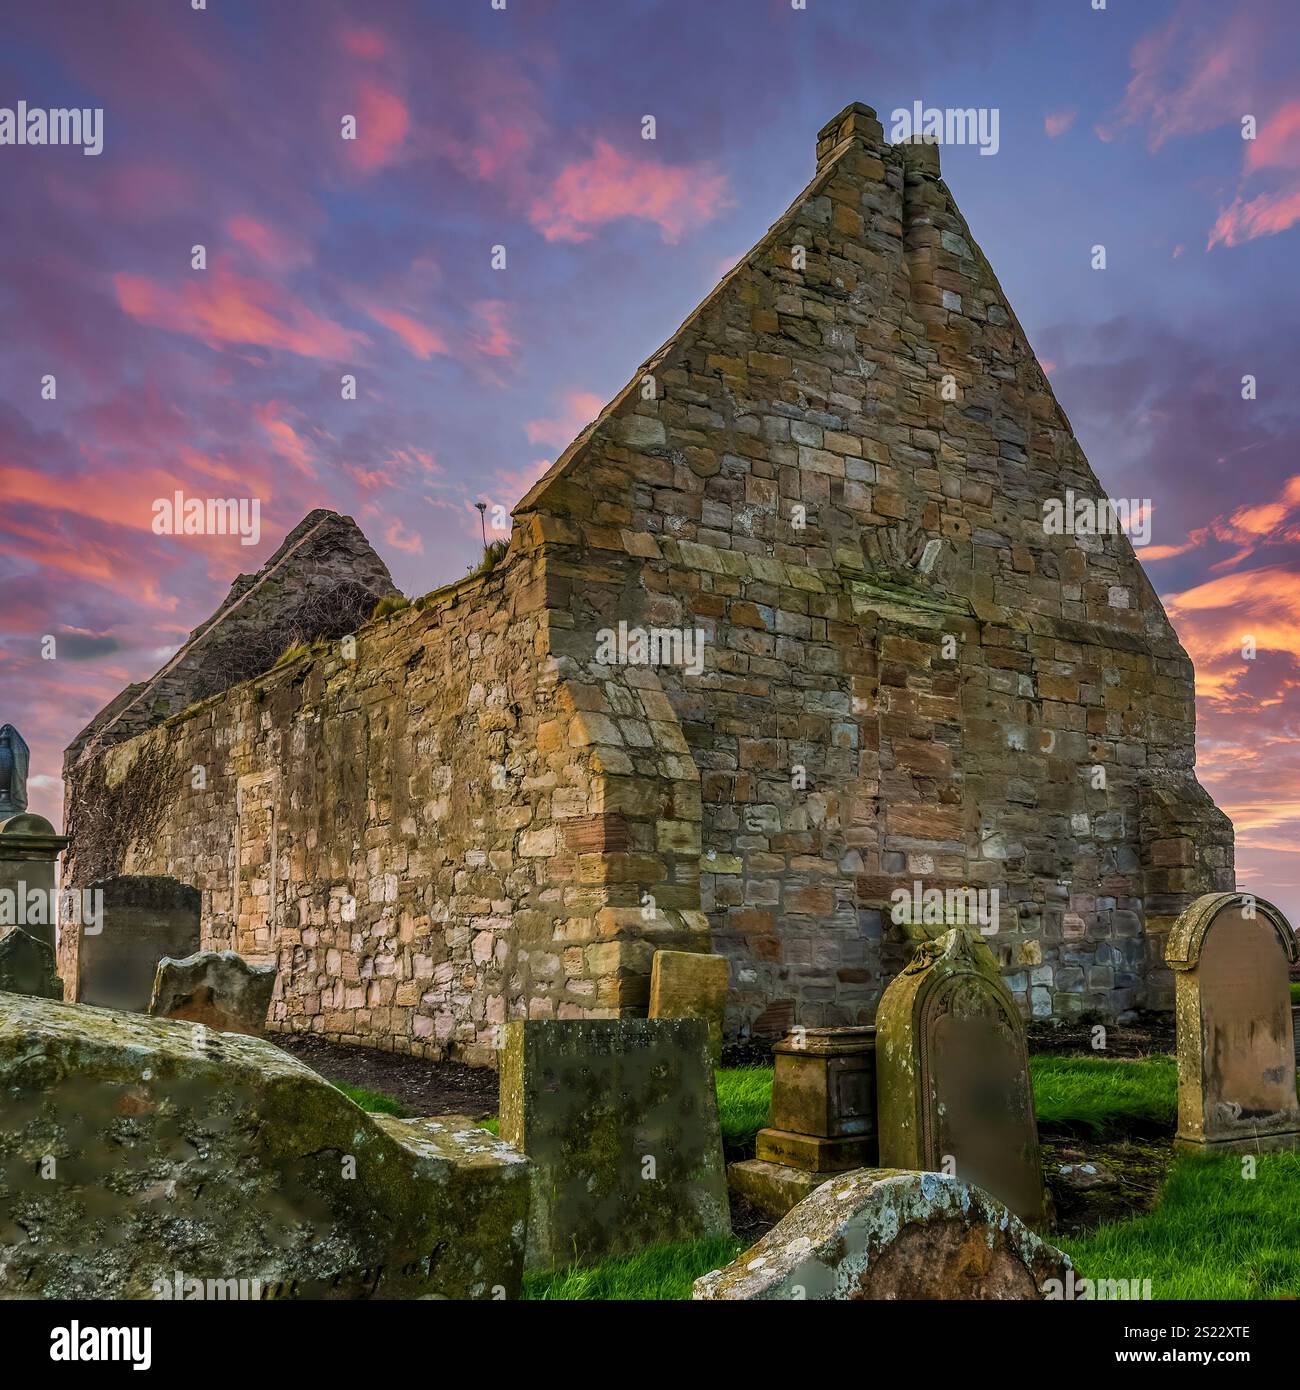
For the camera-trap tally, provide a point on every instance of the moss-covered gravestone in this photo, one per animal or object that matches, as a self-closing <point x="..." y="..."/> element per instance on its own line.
<point x="620" y="1120"/>
<point x="27" y="966"/>
<point x="1230" y="954"/>
<point x="140" y="1156"/>
<point x="952" y="1075"/>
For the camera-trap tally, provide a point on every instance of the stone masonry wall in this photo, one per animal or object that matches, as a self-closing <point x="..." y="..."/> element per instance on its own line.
<point x="832" y="467"/>
<point x="425" y="836"/>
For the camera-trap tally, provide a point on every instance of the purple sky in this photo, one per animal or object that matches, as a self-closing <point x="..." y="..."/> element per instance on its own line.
<point x="522" y="128"/>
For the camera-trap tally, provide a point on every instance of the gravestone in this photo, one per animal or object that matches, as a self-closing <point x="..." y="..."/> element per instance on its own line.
<point x="620" y="1120"/>
<point x="690" y="984"/>
<point x="1230" y="954"/>
<point x="143" y="920"/>
<point x="29" y="853"/>
<point x="952" y="1074"/>
<point x="27" y="966"/>
<point x="886" y="1235"/>
<point x="218" y="989"/>
<point x="822" y="1121"/>
<point x="140" y="1156"/>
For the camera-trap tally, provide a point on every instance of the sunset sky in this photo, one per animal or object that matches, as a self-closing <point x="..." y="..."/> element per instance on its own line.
<point x="522" y="128"/>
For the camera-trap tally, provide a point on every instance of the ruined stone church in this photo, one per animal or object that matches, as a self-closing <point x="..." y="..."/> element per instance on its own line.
<point x="479" y="807"/>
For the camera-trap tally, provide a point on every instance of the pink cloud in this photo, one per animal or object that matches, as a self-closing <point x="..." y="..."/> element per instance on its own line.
<point x="383" y="123"/>
<point x="220" y="307"/>
<point x="401" y="539"/>
<point x="285" y="440"/>
<point x="362" y="42"/>
<point x="280" y="250"/>
<point x="608" y="185"/>
<point x="1058" y="122"/>
<point x="578" y="408"/>
<point x="494" y="339"/>
<point x="422" y="341"/>
<point x="1277" y="142"/>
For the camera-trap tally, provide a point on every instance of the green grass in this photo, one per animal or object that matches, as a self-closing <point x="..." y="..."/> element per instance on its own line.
<point x="1214" y="1234"/>
<point x="657" y="1272"/>
<point x="1105" y="1096"/>
<point x="744" y="1098"/>
<point x="374" y="1101"/>
<point x="1295" y="992"/>
<point x="492" y="1124"/>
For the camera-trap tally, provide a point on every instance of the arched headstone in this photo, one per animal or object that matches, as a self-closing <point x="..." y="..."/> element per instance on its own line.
<point x="144" y="918"/>
<point x="1230" y="953"/>
<point x="952" y="1075"/>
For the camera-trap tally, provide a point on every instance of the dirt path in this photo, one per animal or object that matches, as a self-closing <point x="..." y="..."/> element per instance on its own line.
<point x="423" y="1088"/>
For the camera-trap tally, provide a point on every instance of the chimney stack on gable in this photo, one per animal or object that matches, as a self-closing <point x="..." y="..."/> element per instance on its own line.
<point x="857" y="122"/>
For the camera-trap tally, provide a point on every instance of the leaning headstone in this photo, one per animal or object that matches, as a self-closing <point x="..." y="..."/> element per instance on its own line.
<point x="1236" y="1051"/>
<point x="823" y="1117"/>
<point x="882" y="1234"/>
<point x="620" y="1120"/>
<point x="952" y="1072"/>
<point x="219" y="989"/>
<point x="27" y="966"/>
<point x="143" y="920"/>
<point x="146" y="1158"/>
<point x="690" y="984"/>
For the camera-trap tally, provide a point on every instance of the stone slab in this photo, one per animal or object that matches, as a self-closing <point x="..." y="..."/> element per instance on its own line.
<point x="773" y="1188"/>
<point x="885" y="1234"/>
<point x="214" y="1156"/>
<point x="689" y="984"/>
<point x="620" y="1120"/>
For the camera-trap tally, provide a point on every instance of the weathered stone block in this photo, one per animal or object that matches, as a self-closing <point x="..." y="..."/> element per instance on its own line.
<point x="1231" y="954"/>
<point x="689" y="984"/>
<point x="221" y="1157"/>
<point x="885" y="1234"/>
<point x="773" y="1188"/>
<point x="620" y="1121"/>
<point x="218" y="989"/>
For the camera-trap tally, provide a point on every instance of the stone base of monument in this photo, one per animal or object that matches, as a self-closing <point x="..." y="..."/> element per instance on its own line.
<point x="773" y="1188"/>
<point x="814" y="1153"/>
<point x="190" y="1163"/>
<point x="1260" y="1143"/>
<point x="888" y="1234"/>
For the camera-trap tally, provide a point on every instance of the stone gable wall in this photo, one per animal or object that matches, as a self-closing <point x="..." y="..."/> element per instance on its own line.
<point x="817" y="396"/>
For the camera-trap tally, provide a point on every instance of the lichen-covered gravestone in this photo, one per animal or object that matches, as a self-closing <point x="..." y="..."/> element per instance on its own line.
<point x="218" y="989"/>
<point x="952" y="1075"/>
<point x="140" y="1155"/>
<point x="691" y="984"/>
<point x="1230" y="954"/>
<point x="620" y="1120"/>
<point x="27" y="966"/>
<point x="144" y="919"/>
<point x="882" y="1234"/>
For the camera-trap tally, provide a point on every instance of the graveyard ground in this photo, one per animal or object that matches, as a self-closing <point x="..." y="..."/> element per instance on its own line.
<point x="1126" y="1207"/>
